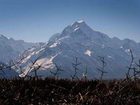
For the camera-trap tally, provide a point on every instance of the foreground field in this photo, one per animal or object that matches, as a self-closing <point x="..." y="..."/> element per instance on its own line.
<point x="66" y="92"/>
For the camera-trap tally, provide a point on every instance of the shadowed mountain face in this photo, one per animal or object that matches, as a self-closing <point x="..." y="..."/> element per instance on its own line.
<point x="7" y="72"/>
<point x="11" y="49"/>
<point x="79" y="40"/>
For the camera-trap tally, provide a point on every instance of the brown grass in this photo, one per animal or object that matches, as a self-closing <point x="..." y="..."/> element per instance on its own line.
<point x="66" y="92"/>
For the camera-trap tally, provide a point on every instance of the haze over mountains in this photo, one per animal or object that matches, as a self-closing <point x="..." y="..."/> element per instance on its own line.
<point x="78" y="40"/>
<point x="11" y="49"/>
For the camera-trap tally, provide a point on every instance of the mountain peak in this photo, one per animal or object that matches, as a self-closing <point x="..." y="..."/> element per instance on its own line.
<point x="79" y="22"/>
<point x="76" y="26"/>
<point x="3" y="37"/>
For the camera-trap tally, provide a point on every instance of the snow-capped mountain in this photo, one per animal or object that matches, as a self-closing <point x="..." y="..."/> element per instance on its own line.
<point x="10" y="48"/>
<point x="78" y="40"/>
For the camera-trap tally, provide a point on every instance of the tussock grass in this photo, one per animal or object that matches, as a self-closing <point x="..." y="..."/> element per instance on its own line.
<point x="51" y="91"/>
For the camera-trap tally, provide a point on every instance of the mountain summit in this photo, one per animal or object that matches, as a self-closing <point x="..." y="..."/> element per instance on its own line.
<point x="77" y="26"/>
<point x="79" y="41"/>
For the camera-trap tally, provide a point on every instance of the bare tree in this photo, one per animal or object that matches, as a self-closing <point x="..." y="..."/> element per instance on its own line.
<point x="85" y="73"/>
<point x="57" y="71"/>
<point x="130" y="65"/>
<point x="102" y="69"/>
<point x="2" y="68"/>
<point x="76" y="69"/>
<point x="34" y="65"/>
<point x="137" y="71"/>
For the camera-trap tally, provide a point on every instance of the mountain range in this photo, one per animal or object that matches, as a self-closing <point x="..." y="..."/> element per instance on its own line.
<point x="78" y="43"/>
<point x="11" y="50"/>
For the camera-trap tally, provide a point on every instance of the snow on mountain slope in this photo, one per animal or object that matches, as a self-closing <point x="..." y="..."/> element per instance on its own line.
<point x="79" y="40"/>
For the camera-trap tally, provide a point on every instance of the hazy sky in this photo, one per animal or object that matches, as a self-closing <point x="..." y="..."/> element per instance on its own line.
<point x="37" y="20"/>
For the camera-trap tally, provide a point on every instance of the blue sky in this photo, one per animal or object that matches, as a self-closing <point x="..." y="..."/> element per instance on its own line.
<point x="37" y="20"/>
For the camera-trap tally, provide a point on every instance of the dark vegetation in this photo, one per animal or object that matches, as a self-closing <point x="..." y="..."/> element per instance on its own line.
<point x="51" y="91"/>
<point x="75" y="91"/>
